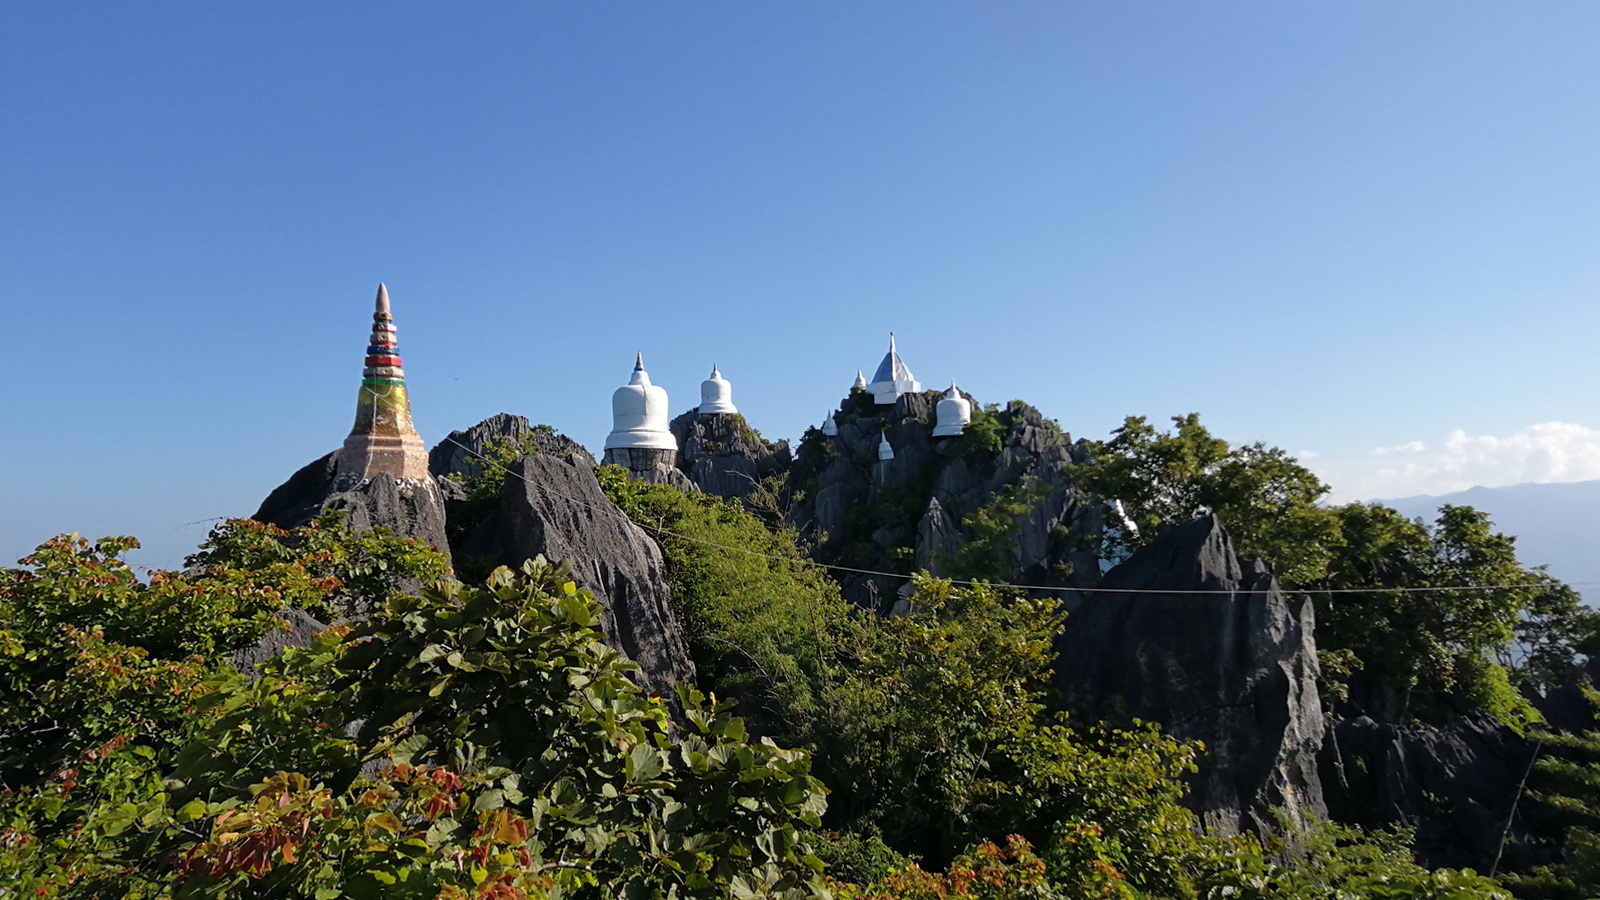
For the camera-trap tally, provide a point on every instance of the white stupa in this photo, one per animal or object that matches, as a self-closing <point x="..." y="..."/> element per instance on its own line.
<point x="829" y="426"/>
<point x="893" y="378"/>
<point x="716" y="394"/>
<point x="953" y="414"/>
<point x="639" y="415"/>
<point x="885" y="452"/>
<point x="860" y="382"/>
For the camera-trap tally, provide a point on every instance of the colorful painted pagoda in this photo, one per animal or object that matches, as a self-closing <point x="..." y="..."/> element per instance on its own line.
<point x="383" y="441"/>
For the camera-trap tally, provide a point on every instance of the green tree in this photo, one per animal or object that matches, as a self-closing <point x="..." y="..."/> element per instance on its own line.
<point x="1429" y="616"/>
<point x="102" y="654"/>
<point x="762" y="621"/>
<point x="1567" y="789"/>
<point x="503" y="751"/>
<point x="1266" y="499"/>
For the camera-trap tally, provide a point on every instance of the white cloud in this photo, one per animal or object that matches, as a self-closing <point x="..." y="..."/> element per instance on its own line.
<point x="1549" y="452"/>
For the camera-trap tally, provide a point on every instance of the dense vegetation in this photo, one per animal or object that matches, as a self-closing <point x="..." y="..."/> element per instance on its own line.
<point x="184" y="778"/>
<point x="1415" y="621"/>
<point x="937" y="735"/>
<point x="479" y="740"/>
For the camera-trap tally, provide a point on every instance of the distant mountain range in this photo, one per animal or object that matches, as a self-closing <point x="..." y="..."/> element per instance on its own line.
<point x="1557" y="525"/>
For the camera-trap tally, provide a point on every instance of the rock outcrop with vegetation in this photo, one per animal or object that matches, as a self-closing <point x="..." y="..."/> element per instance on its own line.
<point x="996" y="502"/>
<point x="724" y="456"/>
<point x="1235" y="669"/>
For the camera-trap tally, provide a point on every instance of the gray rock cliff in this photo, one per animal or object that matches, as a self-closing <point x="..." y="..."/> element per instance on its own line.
<point x="911" y="512"/>
<point x="723" y="455"/>
<point x="1236" y="669"/>
<point x="459" y="452"/>
<point x="556" y="507"/>
<point x="1455" y="784"/>
<point x="408" y="508"/>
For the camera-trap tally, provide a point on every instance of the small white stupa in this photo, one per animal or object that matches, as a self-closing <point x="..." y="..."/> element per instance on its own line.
<point x="953" y="414"/>
<point x="829" y="426"/>
<point x="893" y="378"/>
<point x="639" y="416"/>
<point x="716" y="394"/>
<point x="860" y="383"/>
<point x="885" y="452"/>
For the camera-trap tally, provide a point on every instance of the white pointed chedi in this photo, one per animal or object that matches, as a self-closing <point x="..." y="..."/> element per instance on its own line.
<point x="885" y="452"/>
<point x="639" y="415"/>
<point x="860" y="382"/>
<point x="953" y="413"/>
<point x="893" y="378"/>
<point x="716" y="394"/>
<point x="829" y="426"/>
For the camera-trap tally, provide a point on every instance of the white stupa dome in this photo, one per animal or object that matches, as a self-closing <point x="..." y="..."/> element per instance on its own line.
<point x="829" y="426"/>
<point x="893" y="378"/>
<point x="860" y="382"/>
<point x="953" y="414"/>
<point x="639" y="415"/>
<point x="716" y="394"/>
<point x="884" y="450"/>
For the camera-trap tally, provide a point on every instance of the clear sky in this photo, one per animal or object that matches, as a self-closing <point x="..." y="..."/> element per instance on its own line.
<point x="1366" y="232"/>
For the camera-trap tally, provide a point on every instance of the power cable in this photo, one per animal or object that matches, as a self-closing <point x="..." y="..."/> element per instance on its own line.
<point x="613" y="510"/>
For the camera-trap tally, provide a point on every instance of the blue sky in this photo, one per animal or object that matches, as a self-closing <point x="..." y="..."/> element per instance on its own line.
<point x="1364" y="232"/>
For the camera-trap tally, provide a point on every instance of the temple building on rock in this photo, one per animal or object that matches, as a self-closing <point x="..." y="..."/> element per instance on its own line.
<point x="716" y="394"/>
<point x="641" y="433"/>
<point x="383" y="441"/>
<point x="892" y="379"/>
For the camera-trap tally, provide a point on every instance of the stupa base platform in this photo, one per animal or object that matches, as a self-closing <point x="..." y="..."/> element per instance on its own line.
<point x="368" y="456"/>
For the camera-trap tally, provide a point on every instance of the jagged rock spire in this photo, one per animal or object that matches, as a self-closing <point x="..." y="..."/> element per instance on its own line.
<point x="383" y="441"/>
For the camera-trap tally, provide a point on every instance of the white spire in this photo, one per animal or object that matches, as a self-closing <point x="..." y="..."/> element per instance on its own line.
<point x="716" y="394"/>
<point x="893" y="377"/>
<point x="885" y="452"/>
<point x="829" y="426"/>
<point x="639" y="414"/>
<point x="861" y="382"/>
<point x="953" y="413"/>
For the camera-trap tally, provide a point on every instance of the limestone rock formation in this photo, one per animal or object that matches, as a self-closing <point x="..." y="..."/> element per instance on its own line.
<point x="458" y="453"/>
<point x="1236" y="669"/>
<point x="1455" y="785"/>
<point x="723" y="455"/>
<point x="299" y="500"/>
<point x="909" y="512"/>
<point x="651" y="466"/>
<point x="556" y="507"/>
<point x="299" y="627"/>
<point x="411" y="508"/>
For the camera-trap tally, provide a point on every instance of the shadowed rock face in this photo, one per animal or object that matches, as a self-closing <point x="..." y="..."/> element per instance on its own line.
<point x="556" y="507"/>
<point x="551" y="504"/>
<point x="1454" y="784"/>
<point x="299" y="627"/>
<point x="723" y="456"/>
<point x="911" y="511"/>
<point x="408" y="508"/>
<point x="1236" y="670"/>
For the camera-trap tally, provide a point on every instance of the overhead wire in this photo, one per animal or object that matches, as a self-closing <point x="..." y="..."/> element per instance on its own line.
<point x="611" y="509"/>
